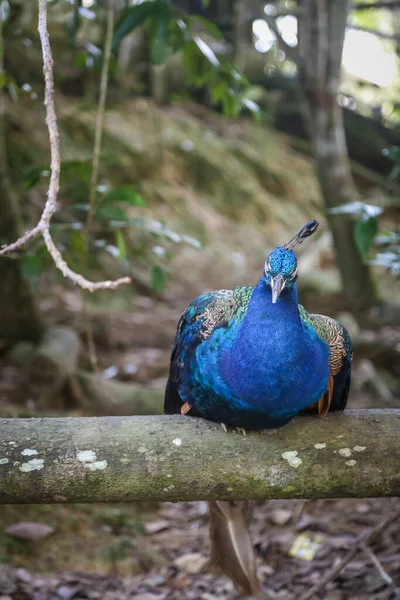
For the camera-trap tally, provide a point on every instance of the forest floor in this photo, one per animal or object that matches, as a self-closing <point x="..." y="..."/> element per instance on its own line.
<point x="159" y="553"/>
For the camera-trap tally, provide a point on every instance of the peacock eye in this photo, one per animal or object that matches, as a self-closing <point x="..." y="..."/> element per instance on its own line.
<point x="294" y="272"/>
<point x="267" y="268"/>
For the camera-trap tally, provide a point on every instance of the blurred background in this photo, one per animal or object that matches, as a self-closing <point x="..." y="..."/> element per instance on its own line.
<point x="229" y="124"/>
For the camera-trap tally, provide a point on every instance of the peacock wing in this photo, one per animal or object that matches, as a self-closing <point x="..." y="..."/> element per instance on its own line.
<point x="341" y="354"/>
<point x="205" y="314"/>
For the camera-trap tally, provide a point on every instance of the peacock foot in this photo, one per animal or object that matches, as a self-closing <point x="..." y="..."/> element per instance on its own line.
<point x="241" y="430"/>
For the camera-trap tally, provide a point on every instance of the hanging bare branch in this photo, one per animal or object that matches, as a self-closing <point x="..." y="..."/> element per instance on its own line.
<point x="43" y="227"/>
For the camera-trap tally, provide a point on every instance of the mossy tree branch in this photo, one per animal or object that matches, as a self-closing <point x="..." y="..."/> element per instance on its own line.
<point x="160" y="458"/>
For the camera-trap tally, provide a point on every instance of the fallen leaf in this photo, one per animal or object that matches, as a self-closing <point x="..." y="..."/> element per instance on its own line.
<point x="191" y="563"/>
<point x="305" y="547"/>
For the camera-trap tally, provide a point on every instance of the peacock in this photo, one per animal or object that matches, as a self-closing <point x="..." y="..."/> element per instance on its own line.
<point x="252" y="358"/>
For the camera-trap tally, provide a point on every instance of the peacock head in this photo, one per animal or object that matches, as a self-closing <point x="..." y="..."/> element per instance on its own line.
<point x="280" y="269"/>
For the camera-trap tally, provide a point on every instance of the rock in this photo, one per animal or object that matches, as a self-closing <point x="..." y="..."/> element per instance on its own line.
<point x="191" y="563"/>
<point x="67" y="592"/>
<point x="29" y="531"/>
<point x="280" y="516"/>
<point x="7" y="579"/>
<point x="23" y="575"/>
<point x="156" y="526"/>
<point x="149" y="596"/>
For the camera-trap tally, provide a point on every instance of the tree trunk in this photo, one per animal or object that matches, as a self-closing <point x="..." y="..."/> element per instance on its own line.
<point x="174" y="458"/>
<point x="18" y="317"/>
<point x="321" y="33"/>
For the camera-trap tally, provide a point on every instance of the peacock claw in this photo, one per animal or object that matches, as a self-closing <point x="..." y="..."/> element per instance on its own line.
<point x="224" y="427"/>
<point x="241" y="430"/>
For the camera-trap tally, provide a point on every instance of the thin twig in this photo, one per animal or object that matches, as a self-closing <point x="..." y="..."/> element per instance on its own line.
<point x="42" y="228"/>
<point x="98" y="134"/>
<point x="377" y="563"/>
<point x="365" y="538"/>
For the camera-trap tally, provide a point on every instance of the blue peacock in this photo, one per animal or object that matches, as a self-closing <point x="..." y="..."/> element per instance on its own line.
<point x="252" y="358"/>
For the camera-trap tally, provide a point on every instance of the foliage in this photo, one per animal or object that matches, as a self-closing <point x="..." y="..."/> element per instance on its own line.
<point x="366" y="227"/>
<point x="124" y="238"/>
<point x="170" y="32"/>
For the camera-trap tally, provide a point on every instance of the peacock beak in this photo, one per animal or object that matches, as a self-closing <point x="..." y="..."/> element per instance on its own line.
<point x="277" y="285"/>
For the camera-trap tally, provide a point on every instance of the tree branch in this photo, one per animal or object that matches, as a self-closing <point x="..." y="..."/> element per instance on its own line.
<point x="43" y="227"/>
<point x="174" y="458"/>
<point x="390" y="4"/>
<point x="381" y="34"/>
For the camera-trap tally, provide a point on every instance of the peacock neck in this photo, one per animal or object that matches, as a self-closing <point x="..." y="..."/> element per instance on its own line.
<point x="284" y="313"/>
<point x="269" y="348"/>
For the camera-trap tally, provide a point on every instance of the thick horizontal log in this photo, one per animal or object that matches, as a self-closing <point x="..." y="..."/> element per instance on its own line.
<point x="154" y="458"/>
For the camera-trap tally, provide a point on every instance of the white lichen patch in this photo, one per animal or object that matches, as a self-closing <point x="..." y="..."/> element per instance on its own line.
<point x="177" y="441"/>
<point x="345" y="452"/>
<point x="319" y="446"/>
<point x="351" y="463"/>
<point x="359" y="448"/>
<point x="32" y="465"/>
<point x="142" y="449"/>
<point x="11" y="443"/>
<point x="29" y="452"/>
<point x="89" y="458"/>
<point x="97" y="465"/>
<point x="86" y="456"/>
<point x="4" y="461"/>
<point x="292" y="458"/>
<point x="340" y="436"/>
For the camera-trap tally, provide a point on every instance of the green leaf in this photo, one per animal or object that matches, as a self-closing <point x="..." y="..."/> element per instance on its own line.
<point x="32" y="177"/>
<point x="76" y="241"/>
<point x="179" y="34"/>
<point x="393" y="152"/>
<point x="394" y="173"/>
<point x="134" y="17"/>
<point x="121" y="245"/>
<point x="124" y="193"/>
<point x="159" y="34"/>
<point x="31" y="267"/>
<point x="209" y="26"/>
<point x="197" y="65"/>
<point x="159" y="279"/>
<point x="365" y="231"/>
<point x="112" y="213"/>
<point x="4" y="11"/>
<point x="253" y="108"/>
<point x="81" y="169"/>
<point x="207" y="52"/>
